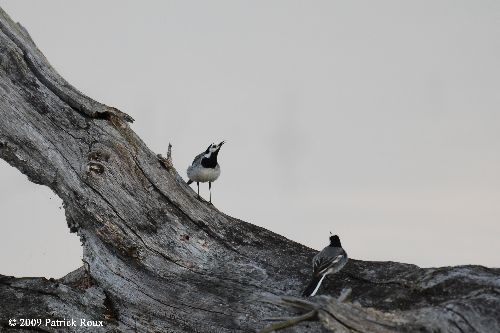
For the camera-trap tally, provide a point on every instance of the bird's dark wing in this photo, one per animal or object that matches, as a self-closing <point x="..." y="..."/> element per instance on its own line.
<point x="197" y="159"/>
<point x="326" y="259"/>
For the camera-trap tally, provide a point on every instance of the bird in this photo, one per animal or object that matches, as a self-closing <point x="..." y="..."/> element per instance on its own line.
<point x="329" y="261"/>
<point x="205" y="168"/>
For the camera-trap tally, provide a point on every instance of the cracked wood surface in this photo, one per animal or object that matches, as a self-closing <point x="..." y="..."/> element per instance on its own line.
<point x="159" y="260"/>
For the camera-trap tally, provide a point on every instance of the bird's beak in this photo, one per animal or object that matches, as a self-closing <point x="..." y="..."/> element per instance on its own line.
<point x="219" y="146"/>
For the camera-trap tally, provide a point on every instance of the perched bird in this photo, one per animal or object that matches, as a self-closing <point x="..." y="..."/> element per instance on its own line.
<point x="205" y="168"/>
<point x="330" y="260"/>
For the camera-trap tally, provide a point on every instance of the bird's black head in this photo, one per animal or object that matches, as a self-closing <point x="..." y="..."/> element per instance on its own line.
<point x="335" y="241"/>
<point x="210" y="158"/>
<point x="213" y="148"/>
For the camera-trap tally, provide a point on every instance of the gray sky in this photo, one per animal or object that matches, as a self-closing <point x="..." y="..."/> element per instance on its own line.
<point x="377" y="120"/>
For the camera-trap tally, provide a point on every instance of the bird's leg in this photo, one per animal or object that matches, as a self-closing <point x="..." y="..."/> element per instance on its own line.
<point x="198" y="184"/>
<point x="210" y="190"/>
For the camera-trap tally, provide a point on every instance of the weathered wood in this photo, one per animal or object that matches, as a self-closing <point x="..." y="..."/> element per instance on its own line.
<point x="160" y="260"/>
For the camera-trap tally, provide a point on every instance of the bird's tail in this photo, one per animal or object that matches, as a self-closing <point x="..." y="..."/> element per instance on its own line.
<point x="313" y="286"/>
<point x="189" y="182"/>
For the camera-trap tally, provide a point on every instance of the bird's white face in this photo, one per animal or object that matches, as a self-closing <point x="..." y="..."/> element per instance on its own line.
<point x="213" y="148"/>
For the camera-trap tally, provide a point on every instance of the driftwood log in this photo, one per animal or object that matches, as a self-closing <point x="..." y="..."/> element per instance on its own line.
<point x="157" y="259"/>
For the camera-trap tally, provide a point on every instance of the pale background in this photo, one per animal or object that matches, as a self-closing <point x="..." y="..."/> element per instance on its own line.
<point x="377" y="120"/>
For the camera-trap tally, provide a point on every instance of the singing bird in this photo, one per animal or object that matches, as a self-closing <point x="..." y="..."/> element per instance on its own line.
<point x="205" y="168"/>
<point x="329" y="261"/>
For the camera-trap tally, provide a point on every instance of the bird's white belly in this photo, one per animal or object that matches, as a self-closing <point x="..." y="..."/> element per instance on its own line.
<point x="200" y="174"/>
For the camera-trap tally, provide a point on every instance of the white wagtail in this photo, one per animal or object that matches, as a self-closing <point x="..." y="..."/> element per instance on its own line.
<point x="205" y="168"/>
<point x="330" y="260"/>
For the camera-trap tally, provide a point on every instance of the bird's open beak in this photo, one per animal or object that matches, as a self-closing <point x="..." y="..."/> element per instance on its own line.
<point x="219" y="146"/>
